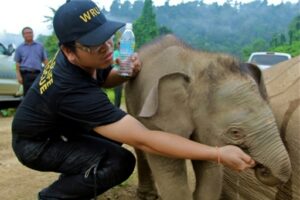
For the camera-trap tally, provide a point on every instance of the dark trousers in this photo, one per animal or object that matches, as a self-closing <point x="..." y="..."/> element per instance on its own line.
<point x="118" y="95"/>
<point x="28" y="77"/>
<point x="88" y="165"/>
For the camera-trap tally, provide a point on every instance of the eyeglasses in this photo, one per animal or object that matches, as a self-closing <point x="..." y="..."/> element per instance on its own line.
<point x="92" y="49"/>
<point x="102" y="48"/>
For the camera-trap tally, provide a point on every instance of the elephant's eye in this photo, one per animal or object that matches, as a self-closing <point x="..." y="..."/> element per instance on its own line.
<point x="235" y="133"/>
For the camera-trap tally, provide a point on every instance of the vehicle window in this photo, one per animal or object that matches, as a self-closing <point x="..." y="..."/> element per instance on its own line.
<point x="2" y="49"/>
<point x="268" y="59"/>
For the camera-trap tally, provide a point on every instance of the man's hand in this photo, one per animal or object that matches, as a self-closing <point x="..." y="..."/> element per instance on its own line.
<point x="136" y="64"/>
<point x="19" y="78"/>
<point x="18" y="73"/>
<point x="114" y="78"/>
<point x="234" y="158"/>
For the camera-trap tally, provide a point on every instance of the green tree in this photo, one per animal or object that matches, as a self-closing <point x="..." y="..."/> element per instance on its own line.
<point x="137" y="8"/>
<point x="163" y="30"/>
<point x="41" y="38"/>
<point x="50" y="42"/>
<point x="257" y="45"/>
<point x="115" y="7"/>
<point x="145" y="27"/>
<point x="294" y="29"/>
<point x="291" y="37"/>
<point x="274" y="41"/>
<point x="282" y="39"/>
<point x="51" y="45"/>
<point x="228" y="28"/>
<point x="293" y="47"/>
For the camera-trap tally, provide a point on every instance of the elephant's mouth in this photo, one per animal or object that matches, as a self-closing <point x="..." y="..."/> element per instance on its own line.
<point x="264" y="175"/>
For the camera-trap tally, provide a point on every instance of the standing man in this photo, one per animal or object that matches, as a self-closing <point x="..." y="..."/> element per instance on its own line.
<point x="118" y="89"/>
<point x="29" y="57"/>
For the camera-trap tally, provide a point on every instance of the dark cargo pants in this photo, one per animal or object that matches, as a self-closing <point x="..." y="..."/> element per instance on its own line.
<point x="88" y="165"/>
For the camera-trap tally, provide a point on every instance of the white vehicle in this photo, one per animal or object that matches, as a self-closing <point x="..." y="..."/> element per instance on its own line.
<point x="10" y="89"/>
<point x="264" y="60"/>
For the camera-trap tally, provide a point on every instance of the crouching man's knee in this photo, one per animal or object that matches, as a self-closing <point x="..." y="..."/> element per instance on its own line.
<point x="114" y="170"/>
<point x="124" y="166"/>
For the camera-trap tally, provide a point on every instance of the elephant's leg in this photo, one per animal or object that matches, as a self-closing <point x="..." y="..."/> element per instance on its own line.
<point x="146" y="187"/>
<point x="209" y="180"/>
<point x="171" y="177"/>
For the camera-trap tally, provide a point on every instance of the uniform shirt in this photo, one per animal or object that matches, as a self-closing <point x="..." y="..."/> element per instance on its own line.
<point x="30" y="56"/>
<point x="64" y="100"/>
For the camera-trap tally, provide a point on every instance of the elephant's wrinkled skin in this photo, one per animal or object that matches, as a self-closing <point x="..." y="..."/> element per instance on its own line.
<point x="283" y="86"/>
<point x="209" y="98"/>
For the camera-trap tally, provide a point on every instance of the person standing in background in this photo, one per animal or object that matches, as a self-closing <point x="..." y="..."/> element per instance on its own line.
<point x="118" y="89"/>
<point x="29" y="57"/>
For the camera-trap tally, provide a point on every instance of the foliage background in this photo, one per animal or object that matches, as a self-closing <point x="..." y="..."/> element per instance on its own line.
<point x="233" y="27"/>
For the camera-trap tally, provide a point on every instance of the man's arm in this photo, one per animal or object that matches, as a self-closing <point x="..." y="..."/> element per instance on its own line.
<point x="18" y="73"/>
<point x="113" y="79"/>
<point x="18" y="60"/>
<point x="130" y="131"/>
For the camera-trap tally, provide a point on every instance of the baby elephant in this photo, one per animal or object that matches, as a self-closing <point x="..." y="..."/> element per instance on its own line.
<point x="283" y="86"/>
<point x="209" y="98"/>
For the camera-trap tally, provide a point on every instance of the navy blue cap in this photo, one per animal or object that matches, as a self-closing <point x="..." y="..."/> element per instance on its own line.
<point x="82" y="21"/>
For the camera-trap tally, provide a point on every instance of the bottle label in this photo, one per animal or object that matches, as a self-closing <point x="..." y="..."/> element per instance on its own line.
<point x="126" y="50"/>
<point x="127" y="47"/>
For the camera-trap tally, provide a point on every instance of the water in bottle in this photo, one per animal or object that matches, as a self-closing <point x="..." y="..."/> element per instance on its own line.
<point x="127" y="44"/>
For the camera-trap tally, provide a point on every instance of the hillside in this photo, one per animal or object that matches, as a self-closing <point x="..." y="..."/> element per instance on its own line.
<point x="226" y="28"/>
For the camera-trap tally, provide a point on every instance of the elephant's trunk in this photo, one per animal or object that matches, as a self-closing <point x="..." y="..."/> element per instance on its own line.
<point x="274" y="165"/>
<point x="264" y="175"/>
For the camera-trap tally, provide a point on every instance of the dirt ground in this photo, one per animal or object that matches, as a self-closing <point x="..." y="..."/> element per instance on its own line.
<point x="18" y="182"/>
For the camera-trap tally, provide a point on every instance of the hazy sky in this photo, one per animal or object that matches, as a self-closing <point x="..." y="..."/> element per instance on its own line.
<point x="15" y="14"/>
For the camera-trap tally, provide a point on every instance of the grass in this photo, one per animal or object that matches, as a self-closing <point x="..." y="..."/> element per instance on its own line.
<point x="7" y="112"/>
<point x="111" y="95"/>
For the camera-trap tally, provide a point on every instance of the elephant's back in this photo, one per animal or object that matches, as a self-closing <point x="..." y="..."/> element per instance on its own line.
<point x="283" y="87"/>
<point x="283" y="84"/>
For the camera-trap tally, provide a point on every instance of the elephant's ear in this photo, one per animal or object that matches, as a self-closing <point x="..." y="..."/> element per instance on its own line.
<point x="151" y="102"/>
<point x="256" y="74"/>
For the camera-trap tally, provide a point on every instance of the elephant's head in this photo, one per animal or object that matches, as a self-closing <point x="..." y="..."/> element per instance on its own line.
<point x="216" y="98"/>
<point x="234" y="110"/>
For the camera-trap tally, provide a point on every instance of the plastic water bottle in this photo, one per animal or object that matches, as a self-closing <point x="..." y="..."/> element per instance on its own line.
<point x="127" y="44"/>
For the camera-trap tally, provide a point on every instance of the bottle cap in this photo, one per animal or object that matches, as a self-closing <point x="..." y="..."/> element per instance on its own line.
<point x="128" y="26"/>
